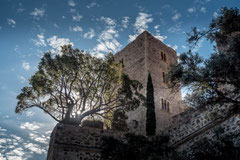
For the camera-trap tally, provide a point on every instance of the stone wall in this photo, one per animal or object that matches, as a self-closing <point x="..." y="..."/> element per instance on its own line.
<point x="69" y="142"/>
<point x="140" y="57"/>
<point x="192" y="121"/>
<point x="195" y="125"/>
<point x="230" y="129"/>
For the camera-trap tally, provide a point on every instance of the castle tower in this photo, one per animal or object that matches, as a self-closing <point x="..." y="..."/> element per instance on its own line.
<point x="148" y="54"/>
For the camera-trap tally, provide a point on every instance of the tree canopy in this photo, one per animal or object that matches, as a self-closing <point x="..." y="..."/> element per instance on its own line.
<point x="74" y="85"/>
<point x="215" y="80"/>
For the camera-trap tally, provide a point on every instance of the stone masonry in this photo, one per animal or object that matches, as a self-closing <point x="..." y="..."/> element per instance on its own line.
<point x="70" y="142"/>
<point x="144" y="55"/>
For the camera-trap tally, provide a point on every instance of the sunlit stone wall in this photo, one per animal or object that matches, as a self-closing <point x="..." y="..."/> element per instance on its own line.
<point x="140" y="57"/>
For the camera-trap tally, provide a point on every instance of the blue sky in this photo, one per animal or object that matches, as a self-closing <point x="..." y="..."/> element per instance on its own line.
<point x="29" y="28"/>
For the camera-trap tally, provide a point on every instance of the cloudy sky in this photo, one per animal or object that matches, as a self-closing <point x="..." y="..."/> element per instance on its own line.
<point x="28" y="28"/>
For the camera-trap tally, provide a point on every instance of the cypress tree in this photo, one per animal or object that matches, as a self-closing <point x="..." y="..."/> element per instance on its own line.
<point x="151" y="118"/>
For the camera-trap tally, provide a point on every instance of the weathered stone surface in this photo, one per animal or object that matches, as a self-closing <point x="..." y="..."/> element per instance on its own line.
<point x="141" y="56"/>
<point x="70" y="142"/>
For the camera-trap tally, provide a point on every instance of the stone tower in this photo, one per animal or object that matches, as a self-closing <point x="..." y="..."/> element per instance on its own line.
<point x="148" y="54"/>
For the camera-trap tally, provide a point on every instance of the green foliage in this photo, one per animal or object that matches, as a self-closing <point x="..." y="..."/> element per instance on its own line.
<point x="74" y="85"/>
<point x="136" y="147"/>
<point x="150" y="117"/>
<point x="119" y="120"/>
<point x="214" y="80"/>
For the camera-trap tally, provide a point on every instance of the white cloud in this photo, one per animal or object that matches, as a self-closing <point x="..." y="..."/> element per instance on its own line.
<point x="90" y="34"/>
<point x="55" y="25"/>
<point x="30" y="113"/>
<point x="76" y="29"/>
<point x="175" y="47"/>
<point x="71" y="3"/>
<point x="20" y="8"/>
<point x="156" y="27"/>
<point x="93" y="4"/>
<point x="39" y="139"/>
<point x="1" y="157"/>
<point x="17" y="148"/>
<point x="56" y="44"/>
<point x="191" y="10"/>
<point x="215" y="14"/>
<point x="34" y="148"/>
<point x="184" y="47"/>
<point x="72" y="10"/>
<point x="2" y="130"/>
<point x="107" y="42"/>
<point x="26" y="65"/>
<point x="108" y="21"/>
<point x="18" y="152"/>
<point x="125" y="22"/>
<point x="161" y="38"/>
<point x="21" y="79"/>
<point x="142" y="21"/>
<point x="176" y="28"/>
<point x="176" y="16"/>
<point x="77" y="17"/>
<point x="141" y="24"/>
<point x="37" y="13"/>
<point x="132" y="37"/>
<point x="107" y="39"/>
<point x="11" y="22"/>
<point x="40" y="41"/>
<point x="203" y="9"/>
<point x="30" y="126"/>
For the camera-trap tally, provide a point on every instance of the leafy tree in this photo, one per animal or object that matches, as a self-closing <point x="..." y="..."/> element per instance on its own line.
<point x="151" y="118"/>
<point x="74" y="85"/>
<point x="119" y="121"/>
<point x="214" y="80"/>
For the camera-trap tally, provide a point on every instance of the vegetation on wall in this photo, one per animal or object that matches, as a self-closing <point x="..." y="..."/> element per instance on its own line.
<point x="150" y="114"/>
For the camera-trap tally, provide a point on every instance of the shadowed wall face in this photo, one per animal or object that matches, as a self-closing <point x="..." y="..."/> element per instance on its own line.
<point x="148" y="54"/>
<point x="70" y="142"/>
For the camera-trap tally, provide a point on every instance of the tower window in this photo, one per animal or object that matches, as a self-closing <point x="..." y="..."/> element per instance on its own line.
<point x="165" y="105"/>
<point x="163" y="74"/>
<point x="162" y="56"/>
<point x="165" y="79"/>
<point x="168" y="106"/>
<point x="121" y="61"/>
